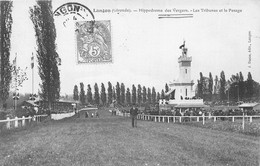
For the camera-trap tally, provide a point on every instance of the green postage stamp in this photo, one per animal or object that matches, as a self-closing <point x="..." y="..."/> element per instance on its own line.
<point x="93" y="39"/>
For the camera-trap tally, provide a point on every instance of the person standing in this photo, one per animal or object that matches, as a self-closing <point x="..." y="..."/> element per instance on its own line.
<point x="133" y="114"/>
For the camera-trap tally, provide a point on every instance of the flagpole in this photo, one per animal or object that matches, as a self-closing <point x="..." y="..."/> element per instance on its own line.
<point x="32" y="74"/>
<point x="15" y="91"/>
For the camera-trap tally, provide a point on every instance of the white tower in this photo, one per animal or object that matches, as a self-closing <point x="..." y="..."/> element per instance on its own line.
<point x="183" y="86"/>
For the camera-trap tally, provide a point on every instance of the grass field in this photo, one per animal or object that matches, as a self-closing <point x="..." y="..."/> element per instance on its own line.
<point x="110" y="140"/>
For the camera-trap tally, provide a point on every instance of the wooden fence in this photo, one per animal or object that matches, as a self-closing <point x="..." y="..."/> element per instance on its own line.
<point x="20" y="122"/>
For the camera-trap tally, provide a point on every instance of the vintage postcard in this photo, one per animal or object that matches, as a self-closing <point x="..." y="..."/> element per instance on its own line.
<point x="135" y="83"/>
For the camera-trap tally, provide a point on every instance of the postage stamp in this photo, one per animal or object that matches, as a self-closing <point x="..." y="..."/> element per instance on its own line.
<point x="93" y="41"/>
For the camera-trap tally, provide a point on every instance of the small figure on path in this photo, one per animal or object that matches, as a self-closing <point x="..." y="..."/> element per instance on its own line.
<point x="133" y="114"/>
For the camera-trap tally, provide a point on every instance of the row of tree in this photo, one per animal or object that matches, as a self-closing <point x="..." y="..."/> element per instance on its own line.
<point x="118" y="93"/>
<point x="234" y="89"/>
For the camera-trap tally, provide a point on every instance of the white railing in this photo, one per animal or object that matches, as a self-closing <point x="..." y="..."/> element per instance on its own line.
<point x="19" y="122"/>
<point x="180" y="119"/>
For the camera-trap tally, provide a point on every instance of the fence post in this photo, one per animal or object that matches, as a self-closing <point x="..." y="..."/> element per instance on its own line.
<point x="215" y="118"/>
<point x="159" y="118"/>
<point x="180" y="119"/>
<point x="163" y="119"/>
<point x="30" y="118"/>
<point x="23" y="121"/>
<point x="243" y="122"/>
<point x="8" y="124"/>
<point x="16" y="122"/>
<point x="155" y="118"/>
<point x="174" y="119"/>
<point x="251" y="119"/>
<point x="168" y="119"/>
<point x="198" y="119"/>
<point x="203" y="118"/>
<point x="233" y="119"/>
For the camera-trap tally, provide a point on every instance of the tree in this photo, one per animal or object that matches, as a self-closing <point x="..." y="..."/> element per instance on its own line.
<point x="122" y="94"/>
<point x="114" y="94"/>
<point x="162" y="94"/>
<point x="139" y="94"/>
<point x="216" y="89"/>
<point x="249" y="86"/>
<point x="166" y="90"/>
<point x="144" y="94"/>
<point x="133" y="94"/>
<point x="76" y="93"/>
<point x="210" y="86"/>
<point x="96" y="94"/>
<point x="158" y="96"/>
<point x="103" y="95"/>
<point x="82" y="96"/>
<point x="234" y="87"/>
<point x="128" y="96"/>
<point x="5" y="44"/>
<point x="241" y="85"/>
<point x="149" y="96"/>
<point x="200" y="86"/>
<point x="110" y="93"/>
<point x="48" y="59"/>
<point x="153" y="96"/>
<point x="222" y="86"/>
<point x="89" y="95"/>
<point x="118" y="92"/>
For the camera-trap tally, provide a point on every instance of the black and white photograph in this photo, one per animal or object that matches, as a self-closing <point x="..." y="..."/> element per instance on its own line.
<point x="129" y="83"/>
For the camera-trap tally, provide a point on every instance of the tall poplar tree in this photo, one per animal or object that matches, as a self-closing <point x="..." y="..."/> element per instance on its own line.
<point x="149" y="96"/>
<point x="210" y="86"/>
<point x="128" y="96"/>
<point x="109" y="93"/>
<point x="48" y="59"/>
<point x="89" y="95"/>
<point x="96" y="94"/>
<point x="222" y="86"/>
<point x="76" y="93"/>
<point x="144" y="94"/>
<point x="241" y="85"/>
<point x="249" y="86"/>
<point x="139" y="94"/>
<point x="158" y="96"/>
<point x="133" y="94"/>
<point x="118" y="93"/>
<point x="5" y="44"/>
<point x="82" y="96"/>
<point x="122" y="93"/>
<point x="153" y="96"/>
<point x="162" y="94"/>
<point x="103" y="95"/>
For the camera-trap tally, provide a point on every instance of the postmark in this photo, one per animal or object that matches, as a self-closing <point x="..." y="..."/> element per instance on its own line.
<point x="93" y="42"/>
<point x="70" y="12"/>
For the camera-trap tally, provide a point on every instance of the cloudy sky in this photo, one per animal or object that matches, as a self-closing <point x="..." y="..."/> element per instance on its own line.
<point x="145" y="49"/>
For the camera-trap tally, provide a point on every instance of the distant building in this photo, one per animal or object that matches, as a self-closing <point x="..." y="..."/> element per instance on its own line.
<point x="250" y="106"/>
<point x="181" y="93"/>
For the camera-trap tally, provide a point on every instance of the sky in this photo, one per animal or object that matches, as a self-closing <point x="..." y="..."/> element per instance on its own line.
<point x="145" y="49"/>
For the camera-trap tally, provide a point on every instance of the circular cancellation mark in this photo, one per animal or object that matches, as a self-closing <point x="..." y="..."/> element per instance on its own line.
<point x="73" y="11"/>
